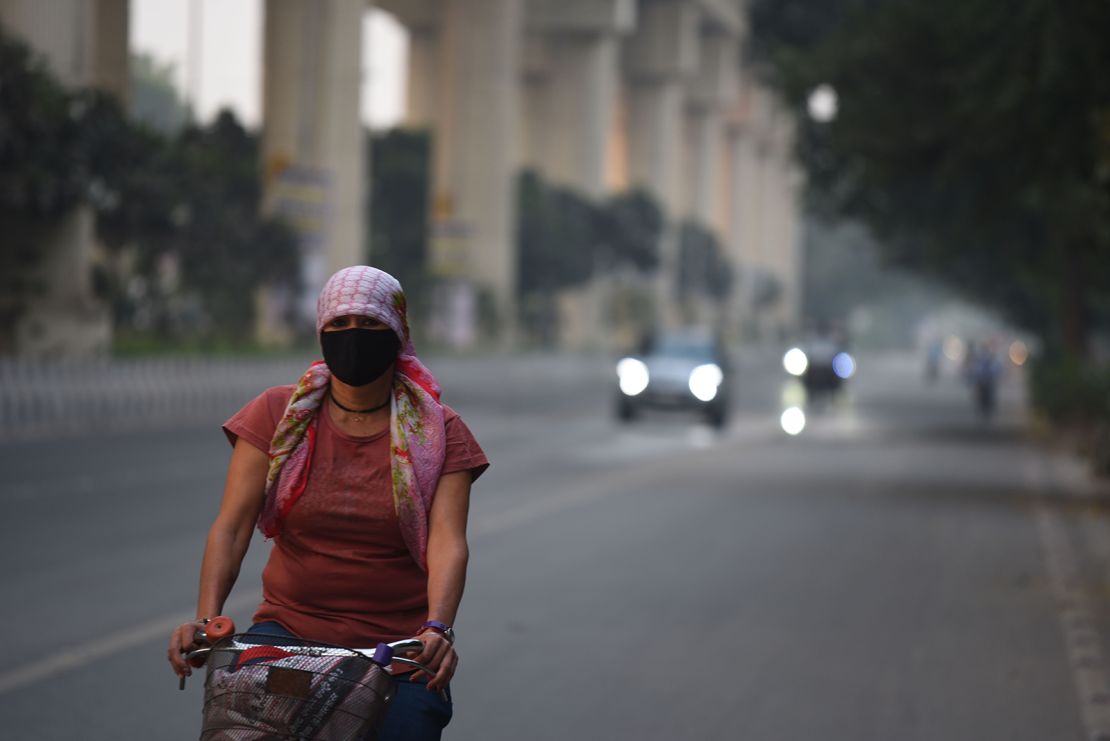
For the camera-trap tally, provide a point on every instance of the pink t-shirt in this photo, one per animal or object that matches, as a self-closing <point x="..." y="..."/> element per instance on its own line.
<point x="340" y="571"/>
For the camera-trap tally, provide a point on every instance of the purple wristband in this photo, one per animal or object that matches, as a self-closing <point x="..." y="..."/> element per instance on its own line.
<point x="442" y="628"/>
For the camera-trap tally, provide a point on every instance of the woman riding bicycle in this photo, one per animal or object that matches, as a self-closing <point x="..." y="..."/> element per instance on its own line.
<point x="362" y="478"/>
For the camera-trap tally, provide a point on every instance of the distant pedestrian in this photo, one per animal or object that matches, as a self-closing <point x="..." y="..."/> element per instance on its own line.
<point x="933" y="355"/>
<point x="362" y="478"/>
<point x="983" y="370"/>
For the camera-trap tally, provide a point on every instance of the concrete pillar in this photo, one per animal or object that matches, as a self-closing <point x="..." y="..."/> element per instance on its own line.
<point x="660" y="57"/>
<point x="535" y="102"/>
<point x="571" y="82"/>
<point x="767" y="222"/>
<point x="84" y="44"/>
<point x="312" y="138"/>
<point x="583" y="104"/>
<point x="772" y="233"/>
<point x="584" y="90"/>
<point x="656" y="108"/>
<point x="754" y="218"/>
<point x="475" y="148"/>
<point x="424" y="84"/>
<point x="112" y="51"/>
<point x="709" y="95"/>
<point x="468" y="53"/>
<point x="784" y="192"/>
<point x="705" y="143"/>
<point x="711" y="92"/>
<point x="572" y="65"/>
<point x="745" y="221"/>
<point x="793" y="237"/>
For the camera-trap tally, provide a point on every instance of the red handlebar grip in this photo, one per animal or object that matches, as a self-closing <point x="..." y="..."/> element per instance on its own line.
<point x="197" y="661"/>
<point x="219" y="627"/>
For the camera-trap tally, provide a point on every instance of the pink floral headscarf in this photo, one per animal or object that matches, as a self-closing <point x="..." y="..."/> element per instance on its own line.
<point x="417" y="439"/>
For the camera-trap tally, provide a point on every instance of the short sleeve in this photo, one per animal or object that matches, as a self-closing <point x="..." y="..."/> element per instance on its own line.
<point x="463" y="451"/>
<point x="258" y="419"/>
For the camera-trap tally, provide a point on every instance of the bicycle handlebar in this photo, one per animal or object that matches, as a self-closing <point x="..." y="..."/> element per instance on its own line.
<point x="383" y="654"/>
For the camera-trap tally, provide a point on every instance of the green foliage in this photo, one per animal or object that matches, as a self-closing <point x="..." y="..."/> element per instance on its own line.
<point x="185" y="213"/>
<point x="1070" y="390"/>
<point x="629" y="228"/>
<point x="556" y="236"/>
<point x="178" y="216"/>
<point x="971" y="138"/>
<point x="703" y="268"/>
<point x="564" y="240"/>
<point x="52" y="147"/>
<point x="39" y="141"/>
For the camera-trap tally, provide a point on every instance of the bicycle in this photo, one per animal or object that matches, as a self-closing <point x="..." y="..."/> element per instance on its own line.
<point x="256" y="689"/>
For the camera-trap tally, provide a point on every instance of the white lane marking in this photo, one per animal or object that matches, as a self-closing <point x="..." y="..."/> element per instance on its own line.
<point x="83" y="654"/>
<point x="1076" y="613"/>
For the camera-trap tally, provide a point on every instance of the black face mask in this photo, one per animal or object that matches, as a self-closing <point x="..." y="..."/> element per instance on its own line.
<point x="359" y="356"/>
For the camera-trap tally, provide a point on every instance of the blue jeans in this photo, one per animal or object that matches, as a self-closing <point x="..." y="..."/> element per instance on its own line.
<point x="415" y="714"/>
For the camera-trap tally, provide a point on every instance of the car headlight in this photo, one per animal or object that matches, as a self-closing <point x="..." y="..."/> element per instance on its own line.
<point x="705" y="380"/>
<point x="633" y="375"/>
<point x="795" y="361"/>
<point x="843" y="365"/>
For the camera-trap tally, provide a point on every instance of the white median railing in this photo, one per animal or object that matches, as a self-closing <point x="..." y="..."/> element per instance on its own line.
<point x="41" y="399"/>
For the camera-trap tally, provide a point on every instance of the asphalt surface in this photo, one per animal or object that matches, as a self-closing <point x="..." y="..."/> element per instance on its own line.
<point x="900" y="570"/>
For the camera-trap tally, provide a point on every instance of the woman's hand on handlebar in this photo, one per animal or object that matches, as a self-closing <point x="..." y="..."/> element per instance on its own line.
<point x="439" y="656"/>
<point x="185" y="638"/>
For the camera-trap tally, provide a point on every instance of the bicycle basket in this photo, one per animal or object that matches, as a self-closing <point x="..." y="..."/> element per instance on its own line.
<point x="302" y="690"/>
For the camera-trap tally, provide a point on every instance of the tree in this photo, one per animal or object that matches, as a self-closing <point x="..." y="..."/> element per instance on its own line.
<point x="630" y="225"/>
<point x="226" y="248"/>
<point x="178" y="216"/>
<point x="181" y="218"/>
<point x="973" y="138"/>
<point x="397" y="203"/>
<point x="703" y="269"/>
<point x="51" y="142"/>
<point x="557" y="238"/>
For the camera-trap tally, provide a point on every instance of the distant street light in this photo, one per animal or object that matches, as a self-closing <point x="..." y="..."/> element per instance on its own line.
<point x="822" y="103"/>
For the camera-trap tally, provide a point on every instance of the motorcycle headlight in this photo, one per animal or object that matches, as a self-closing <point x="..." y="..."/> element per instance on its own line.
<point x="793" y="421"/>
<point x="632" y="375"/>
<point x="795" y="361"/>
<point x="843" y="365"/>
<point x="705" y="380"/>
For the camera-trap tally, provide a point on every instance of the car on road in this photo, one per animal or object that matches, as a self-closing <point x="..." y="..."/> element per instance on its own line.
<point x="683" y="370"/>
<point x="822" y="362"/>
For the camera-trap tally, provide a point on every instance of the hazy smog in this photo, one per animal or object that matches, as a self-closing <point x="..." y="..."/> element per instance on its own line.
<point x="784" y="326"/>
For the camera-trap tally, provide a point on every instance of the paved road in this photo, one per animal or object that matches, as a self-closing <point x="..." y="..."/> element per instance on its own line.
<point x="898" y="571"/>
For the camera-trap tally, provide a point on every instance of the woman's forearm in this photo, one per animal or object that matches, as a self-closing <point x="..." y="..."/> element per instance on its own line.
<point x="447" y="548"/>
<point x="223" y="557"/>
<point x="230" y="534"/>
<point x="447" y="563"/>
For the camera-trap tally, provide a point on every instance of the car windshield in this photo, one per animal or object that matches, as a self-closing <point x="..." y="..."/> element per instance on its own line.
<point x="680" y="346"/>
